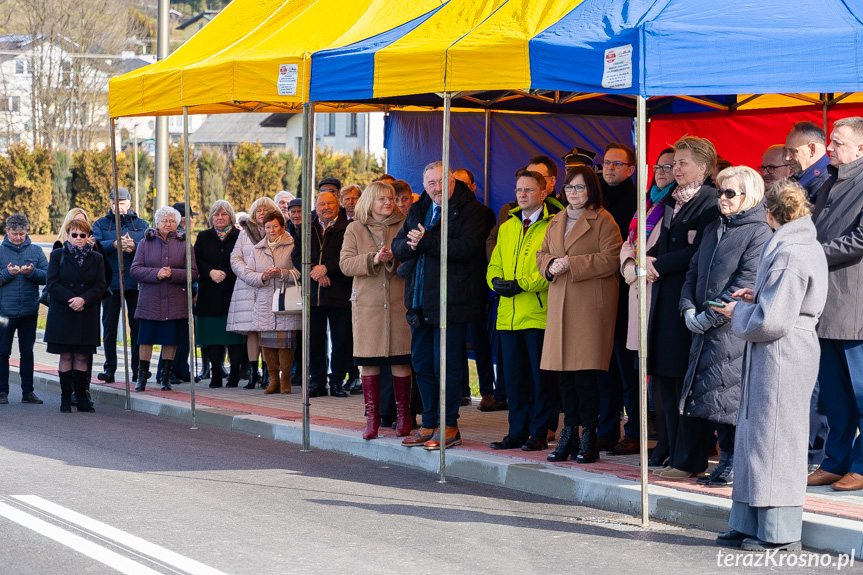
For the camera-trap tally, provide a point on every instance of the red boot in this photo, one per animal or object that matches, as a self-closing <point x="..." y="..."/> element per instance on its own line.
<point x="402" y="391"/>
<point x="372" y="397"/>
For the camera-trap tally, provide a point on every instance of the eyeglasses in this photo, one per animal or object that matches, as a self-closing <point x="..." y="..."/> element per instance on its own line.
<point x="616" y="164"/>
<point x="74" y="235"/>
<point x="771" y="169"/>
<point x="569" y="188"/>
<point x="662" y="168"/>
<point x="730" y="194"/>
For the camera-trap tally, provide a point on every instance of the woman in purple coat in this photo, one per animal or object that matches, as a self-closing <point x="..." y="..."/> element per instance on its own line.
<point x="160" y="269"/>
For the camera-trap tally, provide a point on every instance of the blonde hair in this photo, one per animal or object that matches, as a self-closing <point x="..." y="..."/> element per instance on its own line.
<point x="64" y="227"/>
<point x="703" y="152"/>
<point x="363" y="211"/>
<point x="257" y="204"/>
<point x="786" y="201"/>
<point x="751" y="184"/>
<point x="80" y="225"/>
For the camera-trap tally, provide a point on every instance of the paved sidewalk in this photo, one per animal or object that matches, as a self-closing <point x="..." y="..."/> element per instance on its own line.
<point x="832" y="521"/>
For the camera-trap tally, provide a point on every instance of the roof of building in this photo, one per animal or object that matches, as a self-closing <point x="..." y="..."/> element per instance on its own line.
<point x="208" y="14"/>
<point x="231" y="129"/>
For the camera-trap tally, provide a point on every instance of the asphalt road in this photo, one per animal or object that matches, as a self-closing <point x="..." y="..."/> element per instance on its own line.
<point x="126" y="492"/>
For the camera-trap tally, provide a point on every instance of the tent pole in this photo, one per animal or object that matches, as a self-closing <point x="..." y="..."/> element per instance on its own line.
<point x="485" y="156"/>
<point x="824" y="113"/>
<point x="189" y="228"/>
<point x="308" y="184"/>
<point x="120" y="252"/>
<point x="444" y="253"/>
<point x="641" y="150"/>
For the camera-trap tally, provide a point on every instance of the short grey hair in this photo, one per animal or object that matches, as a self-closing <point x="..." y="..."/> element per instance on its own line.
<point x="432" y="166"/>
<point x="809" y="131"/>
<point x="163" y="212"/>
<point x="220" y="205"/>
<point x="18" y="222"/>
<point x="283" y="194"/>
<point x="751" y="184"/>
<point x="855" y="123"/>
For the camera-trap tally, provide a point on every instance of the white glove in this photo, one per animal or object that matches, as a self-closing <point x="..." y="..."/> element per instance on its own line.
<point x="691" y="323"/>
<point x="703" y="322"/>
<point x="629" y="273"/>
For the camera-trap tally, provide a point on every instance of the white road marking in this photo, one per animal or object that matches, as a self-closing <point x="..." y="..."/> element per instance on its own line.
<point x="128" y="540"/>
<point x="75" y="542"/>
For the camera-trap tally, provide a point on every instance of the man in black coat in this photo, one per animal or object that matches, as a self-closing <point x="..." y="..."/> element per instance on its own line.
<point x="330" y="297"/>
<point x="418" y="246"/>
<point x="619" y="385"/>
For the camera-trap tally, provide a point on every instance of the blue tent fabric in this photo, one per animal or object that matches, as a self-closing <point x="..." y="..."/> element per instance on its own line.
<point x="413" y="140"/>
<point x="686" y="47"/>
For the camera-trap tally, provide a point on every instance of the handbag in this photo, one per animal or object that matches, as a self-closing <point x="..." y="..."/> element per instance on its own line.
<point x="44" y="297"/>
<point x="288" y="300"/>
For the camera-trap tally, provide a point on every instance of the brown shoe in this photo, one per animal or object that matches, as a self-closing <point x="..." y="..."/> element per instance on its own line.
<point x="424" y="434"/>
<point x="850" y="482"/>
<point x="821" y="477"/>
<point x="453" y="438"/>
<point x="605" y="443"/>
<point x="487" y="403"/>
<point x="466" y="400"/>
<point x="550" y="436"/>
<point x="627" y="446"/>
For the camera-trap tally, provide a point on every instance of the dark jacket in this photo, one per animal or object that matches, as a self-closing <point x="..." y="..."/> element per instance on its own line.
<point x="326" y="251"/>
<point x="621" y="201"/>
<point x="668" y="339"/>
<point x="839" y="220"/>
<point x="19" y="294"/>
<point x="817" y="177"/>
<point x="721" y="266"/>
<point x="166" y="299"/>
<point x="211" y="253"/>
<point x="65" y="325"/>
<point x="105" y="232"/>
<point x="106" y="264"/>
<point x="467" y="227"/>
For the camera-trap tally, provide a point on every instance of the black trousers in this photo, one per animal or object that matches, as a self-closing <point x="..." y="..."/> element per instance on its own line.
<point x="726" y="432"/>
<point x="687" y="449"/>
<point x="341" y="358"/>
<point x="531" y="392"/>
<point x="579" y="398"/>
<point x="110" y="317"/>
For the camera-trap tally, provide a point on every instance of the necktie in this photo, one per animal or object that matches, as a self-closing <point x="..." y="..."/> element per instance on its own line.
<point x="526" y="226"/>
<point x="435" y="215"/>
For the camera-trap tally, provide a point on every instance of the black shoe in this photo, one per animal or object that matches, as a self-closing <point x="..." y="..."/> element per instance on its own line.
<point x="355" y="387"/>
<point x="31" y="398"/>
<point x="756" y="544"/>
<point x="535" y="444"/>
<point x="588" y="451"/>
<point x="318" y="392"/>
<point x="567" y="443"/>
<point x="724" y="479"/>
<point x="387" y="421"/>
<point x="143" y="375"/>
<point x="106" y="376"/>
<point x="731" y="538"/>
<point x="337" y="391"/>
<point x="216" y="383"/>
<point x="508" y="442"/>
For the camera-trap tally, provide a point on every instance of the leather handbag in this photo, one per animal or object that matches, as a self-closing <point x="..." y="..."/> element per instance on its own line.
<point x="288" y="299"/>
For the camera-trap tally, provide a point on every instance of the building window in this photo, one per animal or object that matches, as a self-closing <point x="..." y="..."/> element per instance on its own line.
<point x="20" y="67"/>
<point x="352" y="125"/>
<point x="331" y="125"/>
<point x="10" y="104"/>
<point x="299" y="146"/>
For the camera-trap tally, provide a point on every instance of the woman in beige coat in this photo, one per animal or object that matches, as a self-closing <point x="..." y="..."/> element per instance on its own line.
<point x="381" y="332"/>
<point x="269" y="268"/>
<point x="580" y="257"/>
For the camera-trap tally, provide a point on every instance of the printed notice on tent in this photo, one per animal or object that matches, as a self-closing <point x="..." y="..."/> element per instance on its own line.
<point x="287" y="82"/>
<point x="617" y="71"/>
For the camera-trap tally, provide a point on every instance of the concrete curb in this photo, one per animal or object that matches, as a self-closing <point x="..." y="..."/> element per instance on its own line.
<point x="827" y="533"/>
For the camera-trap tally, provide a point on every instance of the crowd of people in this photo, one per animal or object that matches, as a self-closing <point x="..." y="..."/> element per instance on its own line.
<point x="754" y="323"/>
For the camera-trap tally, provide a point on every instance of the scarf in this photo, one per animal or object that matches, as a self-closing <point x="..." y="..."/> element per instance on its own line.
<point x="685" y="193"/>
<point x="655" y="209"/>
<point x="224" y="233"/>
<point x="79" y="253"/>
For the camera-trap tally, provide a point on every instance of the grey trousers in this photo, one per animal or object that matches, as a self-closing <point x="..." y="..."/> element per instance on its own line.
<point x="770" y="524"/>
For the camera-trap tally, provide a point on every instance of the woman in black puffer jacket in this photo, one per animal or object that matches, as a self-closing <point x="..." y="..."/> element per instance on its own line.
<point x="725" y="262"/>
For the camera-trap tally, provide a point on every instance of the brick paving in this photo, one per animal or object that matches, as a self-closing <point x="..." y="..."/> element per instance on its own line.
<point x="477" y="429"/>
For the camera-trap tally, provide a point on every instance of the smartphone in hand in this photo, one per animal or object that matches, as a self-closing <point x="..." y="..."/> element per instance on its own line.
<point x="713" y="303"/>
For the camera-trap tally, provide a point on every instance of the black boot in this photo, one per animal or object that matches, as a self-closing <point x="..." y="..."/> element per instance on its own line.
<point x="167" y="366"/>
<point x="80" y="384"/>
<point x="566" y="444"/>
<point x="587" y="447"/>
<point x="265" y="377"/>
<point x="205" y="367"/>
<point x="66" y="383"/>
<point x="215" y="354"/>
<point x="234" y="355"/>
<point x="143" y="375"/>
<point x="254" y="377"/>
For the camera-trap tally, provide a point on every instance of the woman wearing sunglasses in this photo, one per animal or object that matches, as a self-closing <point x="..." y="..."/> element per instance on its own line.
<point x="76" y="283"/>
<point x="724" y="263"/>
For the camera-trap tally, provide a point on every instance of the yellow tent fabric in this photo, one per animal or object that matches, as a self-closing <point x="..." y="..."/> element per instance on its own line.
<point x="234" y="63"/>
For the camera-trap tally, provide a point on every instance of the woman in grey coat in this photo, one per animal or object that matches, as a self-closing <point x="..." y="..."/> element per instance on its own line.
<point x="724" y="263"/>
<point x="777" y="319"/>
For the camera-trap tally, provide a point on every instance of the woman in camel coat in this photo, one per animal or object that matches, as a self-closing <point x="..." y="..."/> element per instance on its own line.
<point x="580" y="258"/>
<point x="382" y="335"/>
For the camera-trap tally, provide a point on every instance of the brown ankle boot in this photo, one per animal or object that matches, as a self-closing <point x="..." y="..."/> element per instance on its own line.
<point x="271" y="356"/>
<point x="286" y="361"/>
